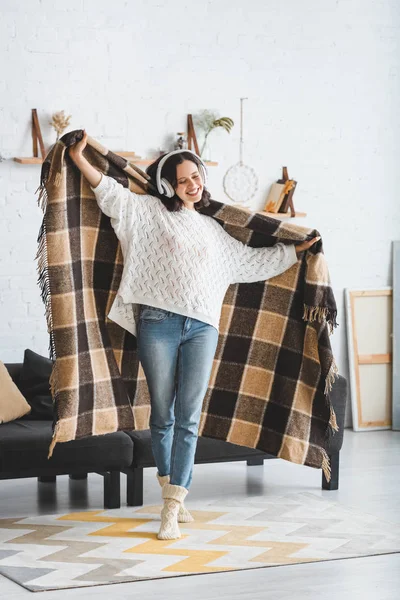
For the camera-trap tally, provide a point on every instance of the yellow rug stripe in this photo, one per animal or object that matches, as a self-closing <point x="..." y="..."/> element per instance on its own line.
<point x="195" y="561"/>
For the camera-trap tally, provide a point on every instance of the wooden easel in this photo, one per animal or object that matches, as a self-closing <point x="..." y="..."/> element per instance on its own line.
<point x="191" y="135"/>
<point x="288" y="200"/>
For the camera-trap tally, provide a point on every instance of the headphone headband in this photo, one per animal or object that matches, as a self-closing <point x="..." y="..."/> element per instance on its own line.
<point x="163" y="186"/>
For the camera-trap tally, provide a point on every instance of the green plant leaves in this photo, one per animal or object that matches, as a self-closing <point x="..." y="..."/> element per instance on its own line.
<point x="224" y="122"/>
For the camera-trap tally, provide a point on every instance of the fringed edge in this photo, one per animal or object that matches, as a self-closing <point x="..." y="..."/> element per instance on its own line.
<point x="53" y="440"/>
<point x="46" y="175"/>
<point x="326" y="465"/>
<point x="52" y="380"/>
<point x="330" y="378"/>
<point x="52" y="383"/>
<point x="44" y="284"/>
<point x="45" y="291"/>
<point x="321" y="313"/>
<point x="332" y="426"/>
<point x="332" y="421"/>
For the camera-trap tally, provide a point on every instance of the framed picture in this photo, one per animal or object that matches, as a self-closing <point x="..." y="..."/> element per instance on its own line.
<point x="369" y="338"/>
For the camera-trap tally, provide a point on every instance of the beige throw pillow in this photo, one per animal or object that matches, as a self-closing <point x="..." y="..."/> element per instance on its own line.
<point x="12" y="403"/>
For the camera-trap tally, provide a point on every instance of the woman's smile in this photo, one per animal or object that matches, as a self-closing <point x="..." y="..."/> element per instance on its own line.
<point x="189" y="183"/>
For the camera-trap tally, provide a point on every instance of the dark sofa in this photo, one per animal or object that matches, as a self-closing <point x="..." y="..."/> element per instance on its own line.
<point x="24" y="447"/>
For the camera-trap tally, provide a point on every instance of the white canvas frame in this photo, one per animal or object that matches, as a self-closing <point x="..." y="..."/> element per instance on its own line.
<point x="396" y="337"/>
<point x="359" y="421"/>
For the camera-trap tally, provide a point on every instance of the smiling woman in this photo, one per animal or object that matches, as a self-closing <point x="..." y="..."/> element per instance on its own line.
<point x="178" y="265"/>
<point x="185" y="176"/>
<point x="189" y="185"/>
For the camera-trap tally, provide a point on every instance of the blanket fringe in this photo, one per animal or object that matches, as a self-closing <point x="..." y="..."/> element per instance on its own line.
<point x="332" y="421"/>
<point x="326" y="465"/>
<point x="53" y="441"/>
<point x="321" y="313"/>
<point x="330" y="378"/>
<point x="52" y="383"/>
<point x="52" y="380"/>
<point x="41" y="255"/>
<point x="44" y="283"/>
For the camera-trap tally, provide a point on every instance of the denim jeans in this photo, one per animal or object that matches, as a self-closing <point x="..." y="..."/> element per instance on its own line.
<point x="176" y="353"/>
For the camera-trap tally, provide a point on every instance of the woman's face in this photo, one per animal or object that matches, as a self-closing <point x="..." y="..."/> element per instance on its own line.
<point x="189" y="186"/>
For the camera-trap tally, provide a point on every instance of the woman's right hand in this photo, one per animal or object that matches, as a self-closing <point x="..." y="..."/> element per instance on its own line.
<point x="77" y="149"/>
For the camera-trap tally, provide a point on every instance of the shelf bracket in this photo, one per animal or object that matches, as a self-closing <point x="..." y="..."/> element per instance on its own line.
<point x="37" y="135"/>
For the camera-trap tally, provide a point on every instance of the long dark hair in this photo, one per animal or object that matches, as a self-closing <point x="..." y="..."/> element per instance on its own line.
<point x="168" y="171"/>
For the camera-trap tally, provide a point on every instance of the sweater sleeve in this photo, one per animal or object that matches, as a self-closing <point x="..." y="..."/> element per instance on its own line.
<point x="247" y="264"/>
<point x="259" y="264"/>
<point x="115" y="200"/>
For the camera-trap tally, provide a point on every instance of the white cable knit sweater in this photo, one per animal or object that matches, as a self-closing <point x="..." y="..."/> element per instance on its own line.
<point x="180" y="261"/>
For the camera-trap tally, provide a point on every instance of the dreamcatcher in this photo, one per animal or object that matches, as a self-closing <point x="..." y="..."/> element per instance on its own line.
<point x="240" y="181"/>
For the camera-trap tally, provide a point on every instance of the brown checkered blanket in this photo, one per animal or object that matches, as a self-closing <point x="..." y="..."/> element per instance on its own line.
<point x="273" y="367"/>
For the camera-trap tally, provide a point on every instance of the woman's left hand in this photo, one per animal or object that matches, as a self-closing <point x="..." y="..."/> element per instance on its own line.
<point x="306" y="245"/>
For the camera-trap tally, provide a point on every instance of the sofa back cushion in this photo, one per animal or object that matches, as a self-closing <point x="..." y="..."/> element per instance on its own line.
<point x="34" y="385"/>
<point x="12" y="403"/>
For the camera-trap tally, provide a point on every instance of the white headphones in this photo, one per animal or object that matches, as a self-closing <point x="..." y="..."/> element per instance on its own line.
<point x="163" y="185"/>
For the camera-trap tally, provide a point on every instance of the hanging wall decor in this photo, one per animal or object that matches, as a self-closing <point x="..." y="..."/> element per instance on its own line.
<point x="240" y="181"/>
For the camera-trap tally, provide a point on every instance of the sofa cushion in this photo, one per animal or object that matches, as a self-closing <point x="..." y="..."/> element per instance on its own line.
<point x="24" y="448"/>
<point x="34" y="384"/>
<point x="12" y="403"/>
<point x="208" y="450"/>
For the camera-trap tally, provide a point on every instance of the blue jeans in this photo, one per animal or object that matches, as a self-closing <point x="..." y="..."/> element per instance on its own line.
<point x="176" y="353"/>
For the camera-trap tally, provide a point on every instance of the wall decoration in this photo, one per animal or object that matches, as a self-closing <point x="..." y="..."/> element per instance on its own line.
<point x="240" y="181"/>
<point x="59" y="122"/>
<point x="207" y="121"/>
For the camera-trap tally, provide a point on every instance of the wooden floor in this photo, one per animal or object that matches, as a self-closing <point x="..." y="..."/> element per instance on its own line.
<point x="369" y="481"/>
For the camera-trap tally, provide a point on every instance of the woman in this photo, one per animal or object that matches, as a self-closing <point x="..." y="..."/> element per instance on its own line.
<point x="178" y="264"/>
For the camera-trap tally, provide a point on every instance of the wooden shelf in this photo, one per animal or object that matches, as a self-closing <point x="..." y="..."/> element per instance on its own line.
<point x="142" y="161"/>
<point x="138" y="160"/>
<point x="36" y="160"/>
<point x="32" y="160"/>
<point x="283" y="216"/>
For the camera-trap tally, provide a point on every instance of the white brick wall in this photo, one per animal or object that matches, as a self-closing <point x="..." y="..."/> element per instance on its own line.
<point x="322" y="80"/>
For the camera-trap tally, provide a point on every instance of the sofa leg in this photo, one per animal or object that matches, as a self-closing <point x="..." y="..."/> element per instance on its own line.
<point x="333" y="484"/>
<point x="254" y="462"/>
<point x="134" y="487"/>
<point x="47" y="478"/>
<point x="112" y="490"/>
<point x="78" y="476"/>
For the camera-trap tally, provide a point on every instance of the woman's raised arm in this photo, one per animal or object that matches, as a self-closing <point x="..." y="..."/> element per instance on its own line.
<point x="76" y="153"/>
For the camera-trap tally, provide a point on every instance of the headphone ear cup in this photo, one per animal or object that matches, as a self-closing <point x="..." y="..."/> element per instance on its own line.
<point x="167" y="187"/>
<point x="203" y="173"/>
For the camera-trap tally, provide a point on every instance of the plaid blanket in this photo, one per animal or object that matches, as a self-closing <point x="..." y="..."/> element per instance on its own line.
<point x="273" y="368"/>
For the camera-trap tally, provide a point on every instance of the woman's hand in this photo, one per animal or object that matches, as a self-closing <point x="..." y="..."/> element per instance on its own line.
<point x="77" y="149"/>
<point x="306" y="245"/>
<point x="76" y="153"/>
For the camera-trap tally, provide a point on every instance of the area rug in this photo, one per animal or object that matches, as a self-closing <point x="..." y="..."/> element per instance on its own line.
<point x="100" y="547"/>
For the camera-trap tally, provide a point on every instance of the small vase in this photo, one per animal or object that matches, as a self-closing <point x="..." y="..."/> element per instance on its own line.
<point x="206" y="151"/>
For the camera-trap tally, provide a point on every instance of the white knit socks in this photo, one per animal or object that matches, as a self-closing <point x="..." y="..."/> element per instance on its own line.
<point x="184" y="515"/>
<point x="173" y="496"/>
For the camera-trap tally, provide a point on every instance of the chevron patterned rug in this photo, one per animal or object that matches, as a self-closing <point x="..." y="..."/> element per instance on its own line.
<point x="114" y="546"/>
